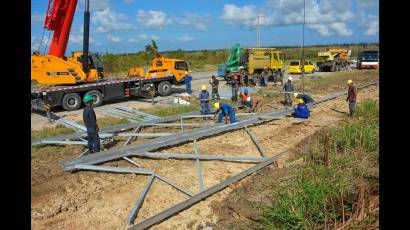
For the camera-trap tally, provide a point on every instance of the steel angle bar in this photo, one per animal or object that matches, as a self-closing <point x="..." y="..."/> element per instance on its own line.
<point x="255" y="141"/>
<point x="137" y="112"/>
<point x="199" y="168"/>
<point x="62" y="142"/>
<point x="185" y="136"/>
<point x="105" y="135"/>
<point x="202" y="195"/>
<point x="138" y="204"/>
<point x="132" y="162"/>
<point x="136" y="130"/>
<point x="118" y="128"/>
<point x="113" y="169"/>
<point x="70" y="124"/>
<point x="200" y="157"/>
<point x="170" y="124"/>
<point x="173" y="184"/>
<point x="125" y="114"/>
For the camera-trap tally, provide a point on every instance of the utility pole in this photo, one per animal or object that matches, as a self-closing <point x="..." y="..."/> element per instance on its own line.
<point x="303" y="48"/>
<point x="258" y="30"/>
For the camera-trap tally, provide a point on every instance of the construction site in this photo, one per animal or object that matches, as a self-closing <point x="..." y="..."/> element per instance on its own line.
<point x="163" y="162"/>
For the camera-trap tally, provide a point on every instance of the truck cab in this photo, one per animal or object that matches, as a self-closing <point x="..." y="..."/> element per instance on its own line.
<point x="368" y="60"/>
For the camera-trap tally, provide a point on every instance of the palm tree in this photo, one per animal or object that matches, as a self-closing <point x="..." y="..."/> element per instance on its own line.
<point x="152" y="49"/>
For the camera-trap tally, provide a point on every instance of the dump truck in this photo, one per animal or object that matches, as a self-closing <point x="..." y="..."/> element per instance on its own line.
<point x="162" y="67"/>
<point x="63" y="81"/>
<point x="368" y="60"/>
<point x="253" y="61"/>
<point x="333" y="59"/>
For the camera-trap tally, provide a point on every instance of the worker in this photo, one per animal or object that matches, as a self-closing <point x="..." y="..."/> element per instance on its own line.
<point x="351" y="97"/>
<point x="301" y="111"/>
<point x="306" y="97"/>
<point x="288" y="88"/>
<point x="90" y="122"/>
<point x="245" y="98"/>
<point x="226" y="111"/>
<point x="204" y="99"/>
<point x="188" y="80"/>
<point x="235" y="87"/>
<point x="265" y="76"/>
<point x="256" y="104"/>
<point x="214" y="84"/>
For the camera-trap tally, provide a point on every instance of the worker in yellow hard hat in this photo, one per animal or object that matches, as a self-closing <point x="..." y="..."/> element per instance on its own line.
<point x="226" y="111"/>
<point x="204" y="99"/>
<point x="306" y="97"/>
<point x="351" y="97"/>
<point x="301" y="111"/>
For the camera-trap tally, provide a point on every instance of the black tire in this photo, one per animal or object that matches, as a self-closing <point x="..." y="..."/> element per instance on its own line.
<point x="145" y="88"/>
<point x="98" y="97"/>
<point x="164" y="88"/>
<point x="71" y="101"/>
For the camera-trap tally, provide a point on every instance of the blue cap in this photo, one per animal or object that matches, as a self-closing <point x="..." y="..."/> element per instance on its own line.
<point x="246" y="91"/>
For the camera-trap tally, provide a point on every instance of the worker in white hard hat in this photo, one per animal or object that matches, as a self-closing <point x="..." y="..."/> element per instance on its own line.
<point x="351" y="97"/>
<point x="204" y="99"/>
<point x="288" y="87"/>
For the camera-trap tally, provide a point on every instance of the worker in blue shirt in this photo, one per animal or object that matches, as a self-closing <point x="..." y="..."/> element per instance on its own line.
<point x="204" y="99"/>
<point x="188" y="80"/>
<point x="224" y="110"/>
<point x="301" y="111"/>
<point x="90" y="122"/>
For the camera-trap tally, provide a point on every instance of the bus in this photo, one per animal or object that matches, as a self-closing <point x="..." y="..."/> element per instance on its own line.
<point x="368" y="60"/>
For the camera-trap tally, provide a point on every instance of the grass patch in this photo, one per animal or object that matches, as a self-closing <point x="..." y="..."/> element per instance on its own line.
<point x="169" y="110"/>
<point x="61" y="129"/>
<point x="49" y="132"/>
<point x="320" y="195"/>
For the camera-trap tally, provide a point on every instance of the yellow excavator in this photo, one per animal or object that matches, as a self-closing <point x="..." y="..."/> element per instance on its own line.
<point x="56" y="69"/>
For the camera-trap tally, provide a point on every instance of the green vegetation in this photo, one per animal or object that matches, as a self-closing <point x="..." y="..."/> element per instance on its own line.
<point x="321" y="195"/>
<point x="164" y="111"/>
<point x="49" y="132"/>
<point x="60" y="129"/>
<point x="207" y="60"/>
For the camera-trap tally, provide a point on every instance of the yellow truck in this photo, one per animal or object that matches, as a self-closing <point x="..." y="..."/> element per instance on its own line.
<point x="162" y="67"/>
<point x="333" y="59"/>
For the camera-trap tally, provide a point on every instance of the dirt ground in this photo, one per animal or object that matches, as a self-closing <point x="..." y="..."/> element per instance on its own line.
<point x="91" y="200"/>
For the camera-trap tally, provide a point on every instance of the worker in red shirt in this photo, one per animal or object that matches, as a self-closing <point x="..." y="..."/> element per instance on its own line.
<point x="351" y="97"/>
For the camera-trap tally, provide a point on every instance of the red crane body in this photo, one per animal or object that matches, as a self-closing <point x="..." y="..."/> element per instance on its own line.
<point x="59" y="17"/>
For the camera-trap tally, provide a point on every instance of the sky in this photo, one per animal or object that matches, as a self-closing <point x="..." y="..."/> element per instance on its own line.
<point x="126" y="26"/>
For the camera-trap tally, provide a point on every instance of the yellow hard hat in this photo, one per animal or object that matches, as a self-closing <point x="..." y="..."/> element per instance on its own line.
<point x="349" y="82"/>
<point x="300" y="101"/>
<point x="203" y="87"/>
<point x="295" y="94"/>
<point x="217" y="105"/>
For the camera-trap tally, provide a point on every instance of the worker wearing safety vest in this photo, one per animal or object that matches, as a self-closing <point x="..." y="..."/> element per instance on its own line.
<point x="245" y="98"/>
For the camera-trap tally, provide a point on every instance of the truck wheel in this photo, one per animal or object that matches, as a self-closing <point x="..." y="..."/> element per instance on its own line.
<point x="98" y="97"/>
<point x="164" y="88"/>
<point x="71" y="101"/>
<point x="145" y="88"/>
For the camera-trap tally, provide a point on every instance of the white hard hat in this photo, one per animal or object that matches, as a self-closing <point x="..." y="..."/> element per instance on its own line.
<point x="290" y="78"/>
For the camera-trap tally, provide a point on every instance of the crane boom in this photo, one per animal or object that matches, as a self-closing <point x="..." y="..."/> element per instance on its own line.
<point x="59" y="18"/>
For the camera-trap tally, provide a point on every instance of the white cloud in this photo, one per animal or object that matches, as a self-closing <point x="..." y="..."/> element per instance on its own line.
<point x="153" y="19"/>
<point x="139" y="38"/>
<point x="325" y="17"/>
<point x="100" y="5"/>
<point x="367" y="3"/>
<point x="196" y="21"/>
<point x="113" y="39"/>
<point x="36" y="42"/>
<point x="185" y="38"/>
<point x="341" y="29"/>
<point x="129" y="1"/>
<point x="371" y="23"/>
<point x="245" y="15"/>
<point x="321" y="29"/>
<point x="76" y="38"/>
<point x="154" y="37"/>
<point x="108" y="21"/>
